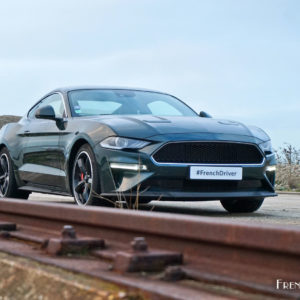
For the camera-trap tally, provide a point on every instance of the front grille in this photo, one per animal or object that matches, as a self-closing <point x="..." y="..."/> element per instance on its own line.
<point x="209" y="153"/>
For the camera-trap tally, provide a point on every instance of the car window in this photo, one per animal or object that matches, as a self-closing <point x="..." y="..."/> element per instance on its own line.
<point x="92" y="102"/>
<point x="96" y="107"/>
<point x="160" y="108"/>
<point x="54" y="100"/>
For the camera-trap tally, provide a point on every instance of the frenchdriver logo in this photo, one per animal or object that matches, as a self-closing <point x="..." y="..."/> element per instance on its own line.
<point x="216" y="173"/>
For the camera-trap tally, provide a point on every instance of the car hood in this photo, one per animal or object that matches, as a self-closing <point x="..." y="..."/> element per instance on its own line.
<point x="144" y="126"/>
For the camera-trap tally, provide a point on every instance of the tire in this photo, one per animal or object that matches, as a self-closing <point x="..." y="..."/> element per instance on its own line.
<point x="86" y="180"/>
<point x="8" y="184"/>
<point x="246" y="205"/>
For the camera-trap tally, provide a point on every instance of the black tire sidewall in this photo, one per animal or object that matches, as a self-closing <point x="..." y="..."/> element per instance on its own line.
<point x="242" y="205"/>
<point x="96" y="188"/>
<point x="10" y="172"/>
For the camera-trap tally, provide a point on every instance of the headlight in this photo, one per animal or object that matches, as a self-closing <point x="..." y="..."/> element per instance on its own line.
<point x="116" y="142"/>
<point x="266" y="146"/>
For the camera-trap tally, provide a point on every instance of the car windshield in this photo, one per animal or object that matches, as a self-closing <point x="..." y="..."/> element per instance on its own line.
<point x="125" y="102"/>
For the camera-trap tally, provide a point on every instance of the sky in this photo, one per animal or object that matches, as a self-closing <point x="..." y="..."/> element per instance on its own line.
<point x="237" y="60"/>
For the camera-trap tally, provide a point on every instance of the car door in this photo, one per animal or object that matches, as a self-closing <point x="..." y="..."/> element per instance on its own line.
<point x="42" y="155"/>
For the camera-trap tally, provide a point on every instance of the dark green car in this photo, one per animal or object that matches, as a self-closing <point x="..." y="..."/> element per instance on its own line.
<point x="105" y="144"/>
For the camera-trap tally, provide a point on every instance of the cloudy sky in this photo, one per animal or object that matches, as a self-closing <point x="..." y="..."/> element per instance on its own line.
<point x="234" y="59"/>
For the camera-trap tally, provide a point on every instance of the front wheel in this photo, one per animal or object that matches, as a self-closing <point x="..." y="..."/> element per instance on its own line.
<point x="246" y="205"/>
<point x="85" y="179"/>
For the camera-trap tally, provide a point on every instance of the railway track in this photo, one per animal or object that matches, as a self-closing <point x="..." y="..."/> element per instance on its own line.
<point x="158" y="255"/>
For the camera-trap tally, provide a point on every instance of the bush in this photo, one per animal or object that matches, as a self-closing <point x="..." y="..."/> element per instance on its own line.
<point x="288" y="168"/>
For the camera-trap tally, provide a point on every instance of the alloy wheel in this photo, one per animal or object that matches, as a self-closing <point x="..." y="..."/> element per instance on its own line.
<point x="82" y="178"/>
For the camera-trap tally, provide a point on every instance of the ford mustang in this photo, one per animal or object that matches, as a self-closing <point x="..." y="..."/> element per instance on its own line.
<point x="99" y="144"/>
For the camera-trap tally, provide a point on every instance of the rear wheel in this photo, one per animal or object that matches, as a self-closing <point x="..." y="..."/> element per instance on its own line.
<point x="85" y="179"/>
<point x="8" y="184"/>
<point x="246" y="205"/>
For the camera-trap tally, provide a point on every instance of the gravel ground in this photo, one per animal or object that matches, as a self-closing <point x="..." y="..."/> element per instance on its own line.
<point x="284" y="209"/>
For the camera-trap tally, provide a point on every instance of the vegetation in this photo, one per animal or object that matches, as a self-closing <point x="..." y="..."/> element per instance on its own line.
<point x="288" y="168"/>
<point x="8" y="119"/>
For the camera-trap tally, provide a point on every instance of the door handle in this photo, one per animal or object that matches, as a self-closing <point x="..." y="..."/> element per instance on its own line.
<point x="26" y="131"/>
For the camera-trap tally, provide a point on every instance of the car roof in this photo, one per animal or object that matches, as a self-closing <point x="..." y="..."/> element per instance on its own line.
<point x="74" y="88"/>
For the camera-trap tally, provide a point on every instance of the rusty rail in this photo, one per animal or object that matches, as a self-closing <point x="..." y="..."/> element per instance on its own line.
<point x="205" y="250"/>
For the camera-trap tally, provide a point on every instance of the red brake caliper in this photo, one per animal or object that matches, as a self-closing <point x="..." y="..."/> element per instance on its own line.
<point x="82" y="176"/>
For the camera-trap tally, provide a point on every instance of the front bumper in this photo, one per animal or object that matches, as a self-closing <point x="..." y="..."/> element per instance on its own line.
<point x="171" y="181"/>
<point x="189" y="196"/>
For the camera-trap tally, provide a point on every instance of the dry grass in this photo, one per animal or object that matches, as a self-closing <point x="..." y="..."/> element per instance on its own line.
<point x="8" y="119"/>
<point x="288" y="177"/>
<point x="288" y="168"/>
<point x="121" y="201"/>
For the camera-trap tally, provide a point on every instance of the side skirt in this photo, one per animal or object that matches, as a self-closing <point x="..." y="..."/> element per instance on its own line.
<point x="44" y="190"/>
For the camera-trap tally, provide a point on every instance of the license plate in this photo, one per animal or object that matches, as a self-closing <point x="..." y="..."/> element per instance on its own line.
<point x="216" y="173"/>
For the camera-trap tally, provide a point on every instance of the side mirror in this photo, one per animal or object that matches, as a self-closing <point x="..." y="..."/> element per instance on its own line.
<point x="46" y="112"/>
<point x="204" y="114"/>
